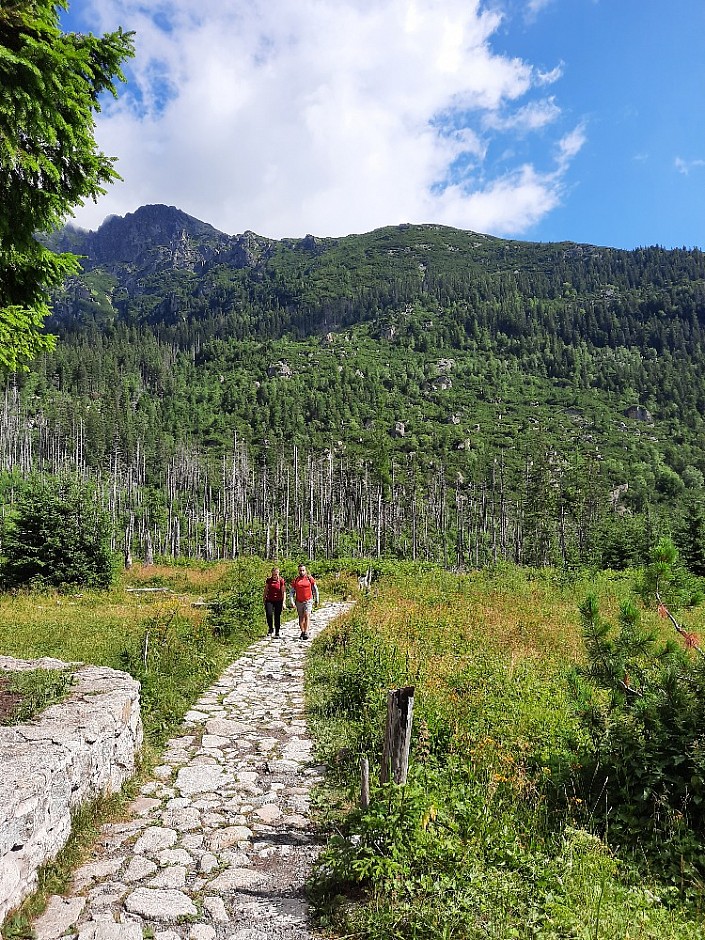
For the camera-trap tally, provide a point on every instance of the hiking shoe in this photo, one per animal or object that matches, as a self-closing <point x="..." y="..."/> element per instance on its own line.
<point x="304" y="636"/>
<point x="270" y="632"/>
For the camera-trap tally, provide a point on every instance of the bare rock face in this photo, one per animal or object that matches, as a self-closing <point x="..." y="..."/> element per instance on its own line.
<point x="279" y="369"/>
<point x="73" y="753"/>
<point x="442" y="383"/>
<point x="160" y="238"/>
<point x="151" y="233"/>
<point x="312" y="244"/>
<point x="639" y="413"/>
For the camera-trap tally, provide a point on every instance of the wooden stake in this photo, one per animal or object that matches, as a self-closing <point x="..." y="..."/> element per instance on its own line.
<point x="397" y="735"/>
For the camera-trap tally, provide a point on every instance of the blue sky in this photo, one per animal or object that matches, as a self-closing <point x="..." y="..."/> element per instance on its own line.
<point x="544" y="120"/>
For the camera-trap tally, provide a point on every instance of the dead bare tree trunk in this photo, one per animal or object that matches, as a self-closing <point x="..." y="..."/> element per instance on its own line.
<point x="148" y="550"/>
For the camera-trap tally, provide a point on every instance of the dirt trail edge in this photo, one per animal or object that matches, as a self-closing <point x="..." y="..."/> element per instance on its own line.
<point x="219" y="845"/>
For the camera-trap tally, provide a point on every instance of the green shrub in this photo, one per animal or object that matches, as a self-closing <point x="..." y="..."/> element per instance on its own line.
<point x="57" y="537"/>
<point x="666" y="578"/>
<point x="239" y="605"/>
<point x="644" y="777"/>
<point x="173" y="659"/>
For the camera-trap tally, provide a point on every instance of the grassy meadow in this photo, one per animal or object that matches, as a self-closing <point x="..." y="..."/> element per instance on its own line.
<point x="490" y="838"/>
<point x="159" y="636"/>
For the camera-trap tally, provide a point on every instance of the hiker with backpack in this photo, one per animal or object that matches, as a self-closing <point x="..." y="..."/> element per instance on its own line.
<point x="274" y="601"/>
<point x="304" y="593"/>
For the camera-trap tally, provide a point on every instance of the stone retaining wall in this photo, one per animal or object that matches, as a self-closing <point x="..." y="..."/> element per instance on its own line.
<point x="73" y="753"/>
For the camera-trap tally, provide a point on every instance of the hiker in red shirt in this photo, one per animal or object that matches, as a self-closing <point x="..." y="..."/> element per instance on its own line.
<point x="304" y="592"/>
<point x="274" y="601"/>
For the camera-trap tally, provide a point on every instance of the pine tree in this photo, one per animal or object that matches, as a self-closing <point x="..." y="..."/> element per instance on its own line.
<point x="49" y="160"/>
<point x="690" y="539"/>
<point x="58" y="537"/>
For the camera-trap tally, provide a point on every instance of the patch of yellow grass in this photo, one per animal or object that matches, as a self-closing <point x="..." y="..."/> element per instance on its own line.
<point x="199" y="578"/>
<point x="440" y="620"/>
<point x="95" y="626"/>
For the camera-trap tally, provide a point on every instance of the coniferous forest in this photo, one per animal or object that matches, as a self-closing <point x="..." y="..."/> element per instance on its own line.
<point x="416" y="391"/>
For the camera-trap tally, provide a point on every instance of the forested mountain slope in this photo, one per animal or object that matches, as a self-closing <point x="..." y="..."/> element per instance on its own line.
<point x="415" y="349"/>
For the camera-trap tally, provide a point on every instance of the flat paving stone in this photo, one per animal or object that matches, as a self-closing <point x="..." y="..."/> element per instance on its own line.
<point x="139" y="868"/>
<point x="203" y="778"/>
<point x="155" y="839"/>
<point x="104" y="930"/>
<point x="94" y="871"/>
<point x="160" y="904"/>
<point x="59" y="915"/>
<point x="234" y="879"/>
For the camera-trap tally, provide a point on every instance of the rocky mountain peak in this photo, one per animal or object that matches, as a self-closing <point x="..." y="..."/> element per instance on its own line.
<point x="126" y="240"/>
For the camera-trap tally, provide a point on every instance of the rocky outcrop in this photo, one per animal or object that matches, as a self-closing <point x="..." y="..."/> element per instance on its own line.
<point x="280" y="370"/>
<point x="441" y="383"/>
<point x="159" y="239"/>
<point x="246" y="251"/>
<point x="312" y="244"/>
<point x="76" y="751"/>
<point x="639" y="413"/>
<point x="151" y="232"/>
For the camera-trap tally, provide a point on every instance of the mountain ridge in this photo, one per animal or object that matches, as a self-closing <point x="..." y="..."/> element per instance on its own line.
<point x="483" y="368"/>
<point x="160" y="225"/>
<point x="129" y="258"/>
<point x="420" y="346"/>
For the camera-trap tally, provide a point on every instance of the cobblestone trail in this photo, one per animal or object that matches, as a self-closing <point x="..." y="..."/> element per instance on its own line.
<point x="219" y="845"/>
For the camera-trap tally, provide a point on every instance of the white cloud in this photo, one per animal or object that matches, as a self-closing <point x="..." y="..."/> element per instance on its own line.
<point x="534" y="7"/>
<point x="293" y="117"/>
<point x="507" y="205"/>
<point x="532" y="117"/>
<point x="553" y="75"/>
<point x="570" y="145"/>
<point x="685" y="166"/>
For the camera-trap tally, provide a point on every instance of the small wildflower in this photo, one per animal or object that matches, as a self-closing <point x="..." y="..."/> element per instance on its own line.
<point x="429" y="817"/>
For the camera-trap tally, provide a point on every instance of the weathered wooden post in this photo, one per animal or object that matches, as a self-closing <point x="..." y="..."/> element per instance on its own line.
<point x="397" y="735"/>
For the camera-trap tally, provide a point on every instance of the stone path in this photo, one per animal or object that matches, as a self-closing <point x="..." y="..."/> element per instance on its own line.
<point x="219" y="845"/>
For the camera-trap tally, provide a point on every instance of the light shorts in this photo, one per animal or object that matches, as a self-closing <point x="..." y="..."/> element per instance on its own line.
<point x="304" y="607"/>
